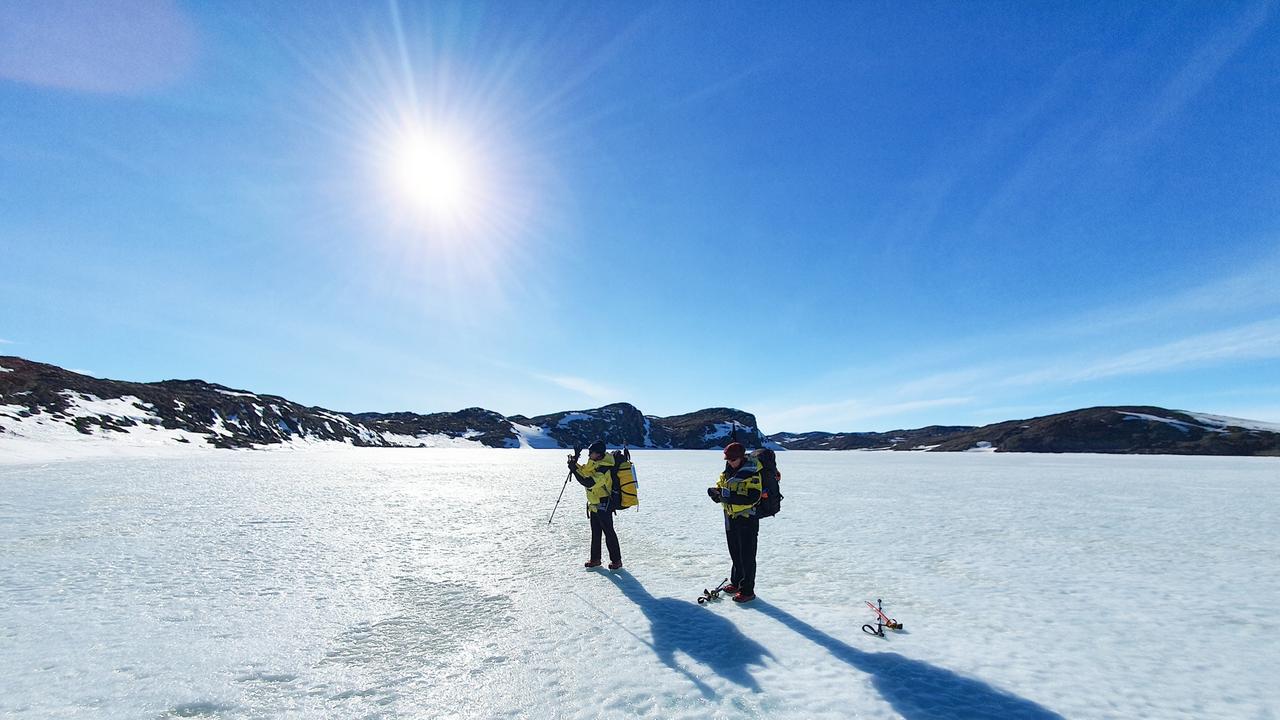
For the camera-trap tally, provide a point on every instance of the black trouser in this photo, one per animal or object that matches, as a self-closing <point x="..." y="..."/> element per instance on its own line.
<point x="602" y="522"/>
<point x="742" y="533"/>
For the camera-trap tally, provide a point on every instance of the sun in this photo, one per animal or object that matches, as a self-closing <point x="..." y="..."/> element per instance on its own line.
<point x="436" y="175"/>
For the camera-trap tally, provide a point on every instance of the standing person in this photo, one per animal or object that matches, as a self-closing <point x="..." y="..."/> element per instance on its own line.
<point x="738" y="492"/>
<point x="598" y="476"/>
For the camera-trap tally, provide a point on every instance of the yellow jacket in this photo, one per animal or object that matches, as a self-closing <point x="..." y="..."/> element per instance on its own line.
<point x="740" y="489"/>
<point x="597" y="477"/>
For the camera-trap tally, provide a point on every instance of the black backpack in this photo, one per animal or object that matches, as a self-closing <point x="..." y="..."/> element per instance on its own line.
<point x="770" y="494"/>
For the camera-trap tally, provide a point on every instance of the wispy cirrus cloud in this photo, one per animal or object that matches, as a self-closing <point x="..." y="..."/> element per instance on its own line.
<point x="1036" y="369"/>
<point x="1195" y="74"/>
<point x="1253" y="341"/>
<point x="1246" y="342"/>
<point x="846" y="413"/>
<point x="1119" y="125"/>
<point x="1250" y="289"/>
<point x="117" y="47"/>
<point x="589" y="388"/>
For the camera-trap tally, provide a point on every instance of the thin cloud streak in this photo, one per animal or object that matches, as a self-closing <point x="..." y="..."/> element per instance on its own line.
<point x="1253" y="289"/>
<point x="849" y="411"/>
<point x="1255" y="341"/>
<point x="1196" y="74"/>
<point x="1052" y="365"/>
<point x="595" y="391"/>
<point x="125" y="47"/>
<point x="1111" y="136"/>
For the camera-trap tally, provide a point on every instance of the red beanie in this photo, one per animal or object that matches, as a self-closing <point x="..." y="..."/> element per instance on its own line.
<point x="734" y="451"/>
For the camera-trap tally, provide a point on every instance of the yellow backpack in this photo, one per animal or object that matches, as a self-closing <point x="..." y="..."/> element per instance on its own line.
<point x="626" y="489"/>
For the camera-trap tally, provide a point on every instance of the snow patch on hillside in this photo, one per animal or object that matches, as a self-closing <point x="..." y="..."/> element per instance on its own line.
<point x="435" y="440"/>
<point x="1223" y="422"/>
<point x="128" y="406"/>
<point x="42" y="437"/>
<point x="719" y="431"/>
<point x="1179" y="424"/>
<point x="532" y="436"/>
<point x="573" y="417"/>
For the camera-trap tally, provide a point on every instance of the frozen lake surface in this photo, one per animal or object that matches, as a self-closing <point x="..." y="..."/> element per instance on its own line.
<point x="427" y="583"/>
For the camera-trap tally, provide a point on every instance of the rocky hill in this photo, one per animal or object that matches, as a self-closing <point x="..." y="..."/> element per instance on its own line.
<point x="1124" y="429"/>
<point x="39" y="401"/>
<point x="919" y="439"/>
<point x="1118" y="429"/>
<point x="44" y="401"/>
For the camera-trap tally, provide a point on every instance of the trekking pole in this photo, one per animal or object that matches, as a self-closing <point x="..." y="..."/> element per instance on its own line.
<point x="576" y="452"/>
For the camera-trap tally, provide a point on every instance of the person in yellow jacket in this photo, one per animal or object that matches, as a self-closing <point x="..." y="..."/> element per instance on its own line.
<point x="738" y="492"/>
<point x="598" y="476"/>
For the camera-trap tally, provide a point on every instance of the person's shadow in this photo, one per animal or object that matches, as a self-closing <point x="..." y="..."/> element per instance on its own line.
<point x="917" y="690"/>
<point x="698" y="632"/>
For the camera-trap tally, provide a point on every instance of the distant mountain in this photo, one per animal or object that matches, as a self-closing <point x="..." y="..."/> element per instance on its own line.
<point x="44" y="401"/>
<point x="1121" y="429"/>
<point x="39" y="401"/>
<point x="920" y="439"/>
<point x="1125" y="429"/>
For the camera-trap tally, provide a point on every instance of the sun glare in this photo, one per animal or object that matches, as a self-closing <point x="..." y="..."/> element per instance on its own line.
<point x="436" y="175"/>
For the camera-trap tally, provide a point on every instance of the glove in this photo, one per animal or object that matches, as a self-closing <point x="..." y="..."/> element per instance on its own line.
<point x="714" y="494"/>
<point x="573" y="464"/>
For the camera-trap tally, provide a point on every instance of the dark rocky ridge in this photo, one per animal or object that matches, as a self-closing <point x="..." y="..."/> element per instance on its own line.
<point x="918" y="439"/>
<point x="1122" y="429"/>
<point x="192" y="405"/>
<point x="1136" y="429"/>
<point x="231" y="418"/>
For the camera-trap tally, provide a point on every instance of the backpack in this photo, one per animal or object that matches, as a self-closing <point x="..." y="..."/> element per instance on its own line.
<point x="626" y="487"/>
<point x="770" y="494"/>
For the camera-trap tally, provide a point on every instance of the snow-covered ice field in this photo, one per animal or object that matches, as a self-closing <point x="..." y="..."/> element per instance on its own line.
<point x="427" y="583"/>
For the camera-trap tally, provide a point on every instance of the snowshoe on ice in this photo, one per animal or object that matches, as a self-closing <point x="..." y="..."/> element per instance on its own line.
<point x="882" y="621"/>
<point x="708" y="595"/>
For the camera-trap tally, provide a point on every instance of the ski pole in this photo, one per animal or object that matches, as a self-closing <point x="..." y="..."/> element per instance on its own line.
<point x="576" y="452"/>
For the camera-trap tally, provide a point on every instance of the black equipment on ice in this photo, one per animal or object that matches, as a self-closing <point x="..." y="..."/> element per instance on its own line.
<point x="882" y="621"/>
<point x="708" y="595"/>
<point x="577" y="451"/>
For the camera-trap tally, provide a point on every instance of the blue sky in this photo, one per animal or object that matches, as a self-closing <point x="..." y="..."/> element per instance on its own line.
<point x="839" y="216"/>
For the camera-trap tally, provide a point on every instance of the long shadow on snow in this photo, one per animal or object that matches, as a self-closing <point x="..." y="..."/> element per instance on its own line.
<point x="704" y="636"/>
<point x="917" y="690"/>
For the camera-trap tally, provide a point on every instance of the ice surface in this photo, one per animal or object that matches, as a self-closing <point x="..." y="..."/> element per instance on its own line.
<point x="358" y="583"/>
